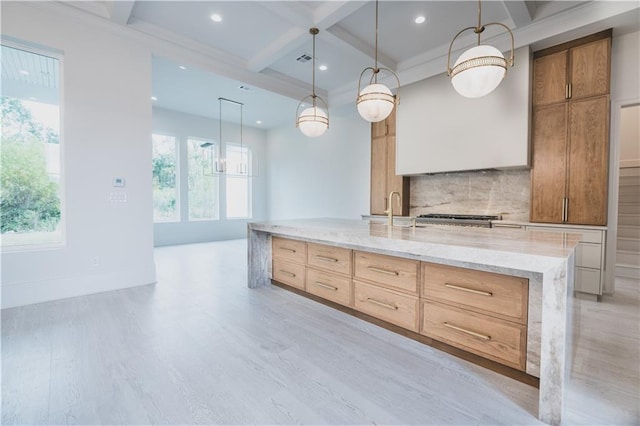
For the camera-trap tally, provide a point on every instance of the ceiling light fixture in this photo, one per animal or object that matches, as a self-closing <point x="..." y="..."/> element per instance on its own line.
<point x="24" y="72"/>
<point x="216" y="18"/>
<point x="420" y="20"/>
<point x="258" y="122"/>
<point x="182" y="67"/>
<point x="313" y="121"/>
<point x="322" y="67"/>
<point x="376" y="101"/>
<point x="479" y="70"/>
<point x="153" y="98"/>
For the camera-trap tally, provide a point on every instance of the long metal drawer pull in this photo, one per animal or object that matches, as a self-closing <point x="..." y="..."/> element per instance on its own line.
<point x="327" y="286"/>
<point x="326" y="258"/>
<point x="290" y="274"/>
<point x="468" y="290"/>
<point x="287" y="249"/>
<point x="382" y="271"/>
<point x="464" y="330"/>
<point x="384" y="305"/>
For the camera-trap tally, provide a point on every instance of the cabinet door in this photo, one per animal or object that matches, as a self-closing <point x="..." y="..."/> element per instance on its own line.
<point x="548" y="172"/>
<point x="550" y="78"/>
<point x="588" y="161"/>
<point x="378" y="175"/>
<point x="590" y="65"/>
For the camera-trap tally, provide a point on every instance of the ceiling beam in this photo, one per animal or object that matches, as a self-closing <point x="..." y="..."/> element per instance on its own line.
<point x="301" y="19"/>
<point x="283" y="45"/>
<point x="339" y="36"/>
<point x="120" y="11"/>
<point x="518" y="11"/>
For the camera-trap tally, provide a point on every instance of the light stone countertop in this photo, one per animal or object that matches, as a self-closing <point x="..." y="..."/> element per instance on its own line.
<point x="527" y="250"/>
<point x="546" y="258"/>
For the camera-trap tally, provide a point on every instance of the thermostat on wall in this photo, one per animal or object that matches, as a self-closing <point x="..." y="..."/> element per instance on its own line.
<point x="117" y="181"/>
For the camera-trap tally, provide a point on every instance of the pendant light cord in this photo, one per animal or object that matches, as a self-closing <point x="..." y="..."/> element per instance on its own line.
<point x="479" y="29"/>
<point x="313" y="74"/>
<point x="376" y="69"/>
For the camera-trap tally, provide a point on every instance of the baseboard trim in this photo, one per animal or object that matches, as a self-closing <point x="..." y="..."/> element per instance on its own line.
<point x="28" y="293"/>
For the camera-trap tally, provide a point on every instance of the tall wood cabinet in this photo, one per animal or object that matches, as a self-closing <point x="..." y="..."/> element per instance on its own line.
<point x="383" y="169"/>
<point x="570" y="132"/>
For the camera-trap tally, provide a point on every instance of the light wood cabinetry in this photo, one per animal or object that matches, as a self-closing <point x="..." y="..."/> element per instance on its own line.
<point x="333" y="259"/>
<point x="499" y="340"/>
<point x="329" y="286"/>
<point x="502" y="296"/>
<point x="570" y="132"/>
<point x="389" y="305"/>
<point x="383" y="168"/>
<point x="395" y="272"/>
<point x="479" y="312"/>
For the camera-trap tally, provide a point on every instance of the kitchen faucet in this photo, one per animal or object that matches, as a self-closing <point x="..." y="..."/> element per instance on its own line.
<point x="389" y="211"/>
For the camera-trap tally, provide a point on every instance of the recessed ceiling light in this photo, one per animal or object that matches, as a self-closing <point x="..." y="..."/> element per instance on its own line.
<point x="245" y="88"/>
<point x="420" y="19"/>
<point x="153" y="98"/>
<point x="216" y="18"/>
<point x="24" y="72"/>
<point x="322" y="67"/>
<point x="259" y="122"/>
<point x="182" y="67"/>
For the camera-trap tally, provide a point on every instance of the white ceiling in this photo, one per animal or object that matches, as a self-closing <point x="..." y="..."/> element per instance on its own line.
<point x="257" y="43"/>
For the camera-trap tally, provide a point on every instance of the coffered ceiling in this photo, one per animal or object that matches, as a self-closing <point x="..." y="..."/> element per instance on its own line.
<point x="256" y="43"/>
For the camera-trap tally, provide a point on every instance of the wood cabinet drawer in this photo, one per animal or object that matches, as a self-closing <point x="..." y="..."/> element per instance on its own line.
<point x="588" y="281"/>
<point x="388" y="305"/>
<point x="288" y="273"/>
<point x="329" y="286"/>
<point x="289" y="250"/>
<point x="391" y="271"/>
<point x="499" y="340"/>
<point x="589" y="255"/>
<point x="498" y="295"/>
<point x="334" y="259"/>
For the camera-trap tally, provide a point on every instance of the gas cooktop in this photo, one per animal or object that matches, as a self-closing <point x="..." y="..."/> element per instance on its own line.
<point x="459" y="219"/>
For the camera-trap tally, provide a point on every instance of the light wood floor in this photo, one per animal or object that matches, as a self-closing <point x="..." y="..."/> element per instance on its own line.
<point x="200" y="347"/>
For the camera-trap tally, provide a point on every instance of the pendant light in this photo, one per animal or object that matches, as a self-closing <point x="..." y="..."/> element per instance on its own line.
<point x="479" y="70"/>
<point x="376" y="101"/>
<point x="313" y="121"/>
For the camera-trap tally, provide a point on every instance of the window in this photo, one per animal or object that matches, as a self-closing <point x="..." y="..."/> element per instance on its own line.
<point x="203" y="181"/>
<point x="238" y="182"/>
<point x="165" y="181"/>
<point x="30" y="164"/>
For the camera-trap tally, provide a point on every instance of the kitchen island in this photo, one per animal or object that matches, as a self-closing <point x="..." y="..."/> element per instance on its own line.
<point x="543" y="261"/>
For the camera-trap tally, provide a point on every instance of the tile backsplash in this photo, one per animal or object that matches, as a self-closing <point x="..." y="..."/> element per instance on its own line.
<point x="504" y="192"/>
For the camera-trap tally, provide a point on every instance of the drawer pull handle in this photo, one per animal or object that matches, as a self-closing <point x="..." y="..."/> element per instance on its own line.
<point x="469" y="290"/>
<point x="287" y="249"/>
<point x="327" y="286"/>
<point x="287" y="273"/>
<point x="326" y="258"/>
<point x="384" y="305"/>
<point x="464" y="330"/>
<point x="382" y="271"/>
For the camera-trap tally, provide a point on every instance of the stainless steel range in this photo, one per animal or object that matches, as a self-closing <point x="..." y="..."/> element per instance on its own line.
<point x="483" y="221"/>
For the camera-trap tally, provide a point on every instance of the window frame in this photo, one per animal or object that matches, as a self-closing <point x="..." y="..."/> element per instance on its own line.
<point x="61" y="241"/>
<point x="177" y="144"/>
<point x="216" y="175"/>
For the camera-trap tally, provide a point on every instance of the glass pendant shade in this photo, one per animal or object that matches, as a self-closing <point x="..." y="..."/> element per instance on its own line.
<point x="313" y="122"/>
<point x="375" y="102"/>
<point x="478" y="71"/>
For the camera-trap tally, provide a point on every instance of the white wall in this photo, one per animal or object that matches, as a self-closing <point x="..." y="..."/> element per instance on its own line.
<point x="106" y="128"/>
<point x="625" y="90"/>
<point x="183" y="126"/>
<point x="630" y="136"/>
<point x="326" y="176"/>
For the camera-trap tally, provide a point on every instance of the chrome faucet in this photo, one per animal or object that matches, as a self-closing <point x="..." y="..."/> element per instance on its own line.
<point x="389" y="211"/>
